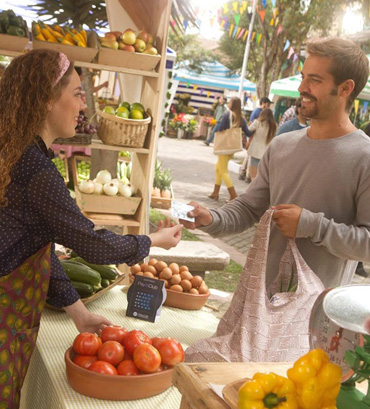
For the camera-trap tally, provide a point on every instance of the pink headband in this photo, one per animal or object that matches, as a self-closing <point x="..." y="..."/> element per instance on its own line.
<point x="63" y="67"/>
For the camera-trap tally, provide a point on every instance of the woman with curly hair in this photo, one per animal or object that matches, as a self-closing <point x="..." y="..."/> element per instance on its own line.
<point x="40" y="99"/>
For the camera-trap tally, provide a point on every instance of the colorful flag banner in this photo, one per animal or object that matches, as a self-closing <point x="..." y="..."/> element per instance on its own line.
<point x="222" y="23"/>
<point x="241" y="33"/>
<point x="235" y="6"/>
<point x="226" y="8"/>
<point x="262" y="15"/>
<point x="276" y="11"/>
<point x="237" y="19"/>
<point x="212" y="21"/>
<point x="195" y="87"/>
<point x="231" y="30"/>
<point x="187" y="84"/>
<point x="237" y="32"/>
<point x="253" y="35"/>
<point x="244" y="5"/>
<point x="241" y="11"/>
<point x="259" y="38"/>
<point x="208" y="94"/>
<point x="287" y="44"/>
<point x="276" y="21"/>
<point x="295" y="57"/>
<point x="173" y="22"/>
<point x="234" y="31"/>
<point x="264" y="3"/>
<point x="185" y="24"/>
<point x="357" y="102"/>
<point x="272" y="22"/>
<point x="364" y="107"/>
<point x="273" y="3"/>
<point x="279" y="30"/>
<point x="201" y="91"/>
<point x="245" y="35"/>
<point x="290" y="53"/>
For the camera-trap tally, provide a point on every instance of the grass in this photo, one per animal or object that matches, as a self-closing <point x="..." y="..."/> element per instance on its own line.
<point x="226" y="280"/>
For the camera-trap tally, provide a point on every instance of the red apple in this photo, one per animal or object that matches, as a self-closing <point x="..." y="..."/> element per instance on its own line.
<point x="150" y="39"/>
<point x="139" y="46"/>
<point x="111" y="36"/>
<point x="114" y="35"/>
<point x="150" y="50"/>
<point x="125" y="47"/>
<point x="128" y="36"/>
<point x="143" y="35"/>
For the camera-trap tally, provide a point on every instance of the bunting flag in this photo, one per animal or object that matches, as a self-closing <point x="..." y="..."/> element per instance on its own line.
<point x="235" y="6"/>
<point x="238" y="32"/>
<point x="364" y="108"/>
<point x="272" y="22"/>
<point x="226" y="8"/>
<point x="208" y="94"/>
<point x="187" y="84"/>
<point x="212" y="21"/>
<point x="279" y="30"/>
<point x="300" y="66"/>
<point x="259" y="38"/>
<point x="241" y="10"/>
<point x="185" y="24"/>
<point x="241" y="33"/>
<point x="262" y="15"/>
<point x="295" y="57"/>
<point x="201" y="91"/>
<point x="356" y="105"/>
<point x="173" y="22"/>
<point x="290" y="53"/>
<point x="231" y="30"/>
<point x="237" y="19"/>
<point x="222" y="23"/>
<point x="245" y="35"/>
<point x="273" y="3"/>
<point x="234" y="31"/>
<point x="276" y="21"/>
<point x="287" y="44"/>
<point x="253" y="35"/>
<point x="245" y="5"/>
<point x="195" y="87"/>
<point x="264" y="3"/>
<point x="276" y="12"/>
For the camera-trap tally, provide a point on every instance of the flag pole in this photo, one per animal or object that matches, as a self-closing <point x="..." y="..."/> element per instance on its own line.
<point x="247" y="48"/>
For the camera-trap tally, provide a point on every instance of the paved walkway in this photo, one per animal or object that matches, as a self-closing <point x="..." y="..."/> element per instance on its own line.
<point x="192" y="165"/>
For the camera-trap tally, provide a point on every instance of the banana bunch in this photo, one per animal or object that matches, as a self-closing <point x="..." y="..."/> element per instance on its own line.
<point x="57" y="34"/>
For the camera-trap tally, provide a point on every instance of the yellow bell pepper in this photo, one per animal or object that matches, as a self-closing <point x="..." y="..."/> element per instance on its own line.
<point x="267" y="391"/>
<point x="317" y="380"/>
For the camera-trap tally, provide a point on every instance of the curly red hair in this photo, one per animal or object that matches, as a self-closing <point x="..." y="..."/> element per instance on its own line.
<point x="26" y="90"/>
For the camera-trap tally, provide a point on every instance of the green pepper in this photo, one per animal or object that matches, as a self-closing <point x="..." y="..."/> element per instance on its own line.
<point x="4" y="21"/>
<point x="16" y="21"/>
<point x="16" y="31"/>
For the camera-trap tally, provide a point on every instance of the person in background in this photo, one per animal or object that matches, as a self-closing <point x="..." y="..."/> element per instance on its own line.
<point x="299" y="122"/>
<point x="264" y="103"/>
<point x="289" y="114"/>
<point x="221" y="108"/>
<point x="98" y="87"/>
<point x="222" y="173"/>
<point x="264" y="129"/>
<point x="40" y="99"/>
<point x="316" y="179"/>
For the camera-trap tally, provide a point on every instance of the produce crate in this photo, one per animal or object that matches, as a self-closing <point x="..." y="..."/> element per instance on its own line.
<point x="126" y="59"/>
<point x="102" y="203"/>
<point x="13" y="43"/>
<point x="73" y="52"/>
<point x="78" y="139"/>
<point x="161" y="202"/>
<point x="65" y="160"/>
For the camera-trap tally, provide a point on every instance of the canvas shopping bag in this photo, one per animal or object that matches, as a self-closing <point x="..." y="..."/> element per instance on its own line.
<point x="257" y="328"/>
<point x="228" y="141"/>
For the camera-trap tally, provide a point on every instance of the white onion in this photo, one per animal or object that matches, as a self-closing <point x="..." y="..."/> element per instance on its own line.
<point x="110" y="189"/>
<point x="98" y="188"/>
<point x="125" y="190"/>
<point x="86" y="186"/>
<point x="116" y="182"/>
<point x="103" y="177"/>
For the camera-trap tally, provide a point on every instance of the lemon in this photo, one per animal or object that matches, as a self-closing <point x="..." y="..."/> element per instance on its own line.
<point x="136" y="114"/>
<point x="122" y="109"/>
<point x="125" y="104"/>
<point x="109" y="110"/>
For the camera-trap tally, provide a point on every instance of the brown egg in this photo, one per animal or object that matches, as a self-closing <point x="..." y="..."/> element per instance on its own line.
<point x="203" y="289"/>
<point x="135" y="269"/>
<point x="186" y="285"/>
<point x="177" y="288"/>
<point x="143" y="267"/>
<point x="184" y="268"/>
<point x="160" y="266"/>
<point x="175" y="279"/>
<point x="196" y="281"/>
<point x="166" y="273"/>
<point x="194" y="291"/>
<point x="186" y="275"/>
<point x="140" y="273"/>
<point x="175" y="268"/>
<point x="151" y="269"/>
<point x="148" y="274"/>
<point x="153" y="261"/>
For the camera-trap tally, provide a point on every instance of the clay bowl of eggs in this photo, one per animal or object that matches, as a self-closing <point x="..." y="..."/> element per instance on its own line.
<point x="184" y="290"/>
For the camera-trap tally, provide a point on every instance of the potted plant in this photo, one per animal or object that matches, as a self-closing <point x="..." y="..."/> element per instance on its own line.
<point x="165" y="183"/>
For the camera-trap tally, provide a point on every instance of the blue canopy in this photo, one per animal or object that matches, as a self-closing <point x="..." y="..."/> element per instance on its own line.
<point x="214" y="75"/>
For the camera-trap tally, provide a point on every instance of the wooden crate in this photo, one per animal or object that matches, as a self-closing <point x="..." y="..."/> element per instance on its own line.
<point x="102" y="203"/>
<point x="161" y="202"/>
<point x="126" y="59"/>
<point x="65" y="160"/>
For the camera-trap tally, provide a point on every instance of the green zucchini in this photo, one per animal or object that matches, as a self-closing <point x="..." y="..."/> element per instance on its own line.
<point x="84" y="290"/>
<point x="81" y="273"/>
<point x="105" y="282"/>
<point x="106" y="271"/>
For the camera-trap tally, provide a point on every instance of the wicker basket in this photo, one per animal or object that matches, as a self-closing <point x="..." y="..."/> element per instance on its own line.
<point x="78" y="139"/>
<point x="114" y="130"/>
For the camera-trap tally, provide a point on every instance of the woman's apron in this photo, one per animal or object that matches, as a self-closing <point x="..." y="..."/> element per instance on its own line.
<point x="22" y="299"/>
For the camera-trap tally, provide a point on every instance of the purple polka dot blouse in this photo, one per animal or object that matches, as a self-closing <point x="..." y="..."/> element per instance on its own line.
<point x="40" y="210"/>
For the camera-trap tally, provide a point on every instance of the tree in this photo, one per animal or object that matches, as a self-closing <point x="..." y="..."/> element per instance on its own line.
<point x="290" y="20"/>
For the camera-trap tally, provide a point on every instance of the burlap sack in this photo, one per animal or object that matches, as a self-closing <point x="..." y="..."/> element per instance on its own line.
<point x="257" y="328"/>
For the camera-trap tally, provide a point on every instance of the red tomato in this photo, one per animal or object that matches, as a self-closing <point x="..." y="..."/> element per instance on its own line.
<point x="85" y="361"/>
<point x="171" y="352"/>
<point x="127" y="356"/>
<point x="147" y="358"/>
<point x="135" y="338"/>
<point x="157" y="341"/>
<point x="112" y="352"/>
<point x="113" y="333"/>
<point x="86" y="343"/>
<point x="127" y="368"/>
<point x="103" y="367"/>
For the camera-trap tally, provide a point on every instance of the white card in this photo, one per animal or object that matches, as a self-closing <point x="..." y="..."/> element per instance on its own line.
<point x="180" y="210"/>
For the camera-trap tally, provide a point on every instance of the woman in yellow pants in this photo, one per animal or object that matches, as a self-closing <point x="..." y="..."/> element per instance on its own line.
<point x="222" y="173"/>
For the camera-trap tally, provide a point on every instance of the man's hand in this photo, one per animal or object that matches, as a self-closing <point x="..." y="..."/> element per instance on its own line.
<point x="286" y="217"/>
<point x="201" y="214"/>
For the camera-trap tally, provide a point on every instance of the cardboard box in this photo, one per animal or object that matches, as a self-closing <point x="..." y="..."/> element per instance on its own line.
<point x="13" y="43"/>
<point x="102" y="203"/>
<point x="126" y="59"/>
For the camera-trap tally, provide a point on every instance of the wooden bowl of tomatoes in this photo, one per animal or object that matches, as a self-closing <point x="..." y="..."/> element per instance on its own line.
<point x="121" y="364"/>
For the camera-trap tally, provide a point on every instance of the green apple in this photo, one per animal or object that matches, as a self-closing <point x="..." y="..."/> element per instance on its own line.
<point x="123" y="114"/>
<point x="125" y="104"/>
<point x="109" y="110"/>
<point x="136" y="114"/>
<point x="137" y="106"/>
<point x="122" y="109"/>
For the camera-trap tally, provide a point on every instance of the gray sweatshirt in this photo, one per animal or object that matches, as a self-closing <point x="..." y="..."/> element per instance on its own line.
<point x="330" y="180"/>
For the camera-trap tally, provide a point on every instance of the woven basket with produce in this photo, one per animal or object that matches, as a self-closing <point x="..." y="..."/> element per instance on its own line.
<point x="126" y="125"/>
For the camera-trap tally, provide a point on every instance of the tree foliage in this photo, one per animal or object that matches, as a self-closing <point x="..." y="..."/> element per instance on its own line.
<point x="298" y="19"/>
<point x="189" y="49"/>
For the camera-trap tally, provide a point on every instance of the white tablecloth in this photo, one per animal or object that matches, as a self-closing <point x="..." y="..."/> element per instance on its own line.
<point x="46" y="385"/>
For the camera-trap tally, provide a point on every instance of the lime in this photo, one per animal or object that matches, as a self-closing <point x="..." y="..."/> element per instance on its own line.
<point x="123" y="114"/>
<point x="125" y="104"/>
<point x="109" y="110"/>
<point x="136" y="114"/>
<point x="124" y="110"/>
<point x="136" y="106"/>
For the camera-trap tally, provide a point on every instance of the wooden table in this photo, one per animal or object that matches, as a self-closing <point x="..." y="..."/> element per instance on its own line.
<point x="192" y="380"/>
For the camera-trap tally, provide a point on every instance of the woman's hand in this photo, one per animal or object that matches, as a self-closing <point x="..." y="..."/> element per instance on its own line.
<point x="85" y="320"/>
<point x="167" y="237"/>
